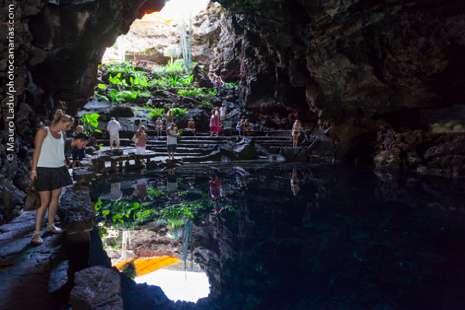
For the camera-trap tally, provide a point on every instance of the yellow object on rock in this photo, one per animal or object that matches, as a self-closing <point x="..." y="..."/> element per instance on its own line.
<point x="145" y="265"/>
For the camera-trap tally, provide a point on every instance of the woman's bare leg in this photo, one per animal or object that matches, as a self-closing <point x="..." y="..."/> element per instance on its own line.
<point x="44" y="203"/>
<point x="53" y="206"/>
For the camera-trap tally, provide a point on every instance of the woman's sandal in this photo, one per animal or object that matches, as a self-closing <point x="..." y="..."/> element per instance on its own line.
<point x="36" y="239"/>
<point x="51" y="228"/>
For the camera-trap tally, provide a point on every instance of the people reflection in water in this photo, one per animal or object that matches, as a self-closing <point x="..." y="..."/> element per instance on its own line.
<point x="141" y="189"/>
<point x="216" y="192"/>
<point x="115" y="191"/>
<point x="171" y="183"/>
<point x="295" y="182"/>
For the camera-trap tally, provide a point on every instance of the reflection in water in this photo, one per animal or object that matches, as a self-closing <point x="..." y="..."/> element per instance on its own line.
<point x="179" y="285"/>
<point x="337" y="240"/>
<point x="140" y="192"/>
<point x="295" y="182"/>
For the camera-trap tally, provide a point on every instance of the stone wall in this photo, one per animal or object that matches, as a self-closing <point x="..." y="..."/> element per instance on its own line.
<point x="361" y="65"/>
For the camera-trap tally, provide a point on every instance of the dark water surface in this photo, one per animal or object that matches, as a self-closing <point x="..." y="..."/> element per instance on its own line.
<point x="295" y="236"/>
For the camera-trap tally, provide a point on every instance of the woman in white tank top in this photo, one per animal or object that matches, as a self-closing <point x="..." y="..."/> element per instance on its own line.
<point x="49" y="171"/>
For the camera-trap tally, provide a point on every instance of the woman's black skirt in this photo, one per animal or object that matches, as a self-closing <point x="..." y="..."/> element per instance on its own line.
<point x="49" y="179"/>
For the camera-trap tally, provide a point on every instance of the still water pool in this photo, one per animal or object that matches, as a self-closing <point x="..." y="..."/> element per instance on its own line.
<point x="286" y="237"/>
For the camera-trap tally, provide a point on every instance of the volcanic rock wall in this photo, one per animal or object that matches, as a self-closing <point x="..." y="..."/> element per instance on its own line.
<point x="370" y="68"/>
<point x="57" y="49"/>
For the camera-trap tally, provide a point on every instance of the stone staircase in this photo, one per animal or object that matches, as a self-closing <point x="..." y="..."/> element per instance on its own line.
<point x="203" y="145"/>
<point x="203" y="148"/>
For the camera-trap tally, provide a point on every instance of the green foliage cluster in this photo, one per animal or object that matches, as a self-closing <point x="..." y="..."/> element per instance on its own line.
<point x="125" y="83"/>
<point x="175" y="68"/>
<point x="154" y="112"/>
<point x="124" y="213"/>
<point x="90" y="121"/>
<point x="178" y="112"/>
<point x="182" y="210"/>
<point x="154" y="192"/>
<point x="197" y="92"/>
<point x="231" y="85"/>
<point x="172" y="82"/>
<point x="127" y="95"/>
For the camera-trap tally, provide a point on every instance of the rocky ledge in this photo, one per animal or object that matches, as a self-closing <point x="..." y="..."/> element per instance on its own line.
<point x="45" y="271"/>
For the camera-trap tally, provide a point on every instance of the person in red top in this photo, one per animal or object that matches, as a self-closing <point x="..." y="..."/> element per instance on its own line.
<point x="215" y="124"/>
<point x="215" y="187"/>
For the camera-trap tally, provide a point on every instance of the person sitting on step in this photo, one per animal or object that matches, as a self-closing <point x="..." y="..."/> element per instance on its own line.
<point x="191" y="127"/>
<point x="78" y="147"/>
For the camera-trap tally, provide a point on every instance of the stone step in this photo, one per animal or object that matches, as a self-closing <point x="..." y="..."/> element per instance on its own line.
<point x="207" y="138"/>
<point x="202" y="141"/>
<point x="180" y="150"/>
<point x="165" y="153"/>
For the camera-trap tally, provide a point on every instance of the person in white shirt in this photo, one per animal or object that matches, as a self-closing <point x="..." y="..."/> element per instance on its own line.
<point x="113" y="128"/>
<point x="223" y="112"/>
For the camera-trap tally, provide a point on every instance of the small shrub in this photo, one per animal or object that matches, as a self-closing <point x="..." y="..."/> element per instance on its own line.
<point x="117" y="96"/>
<point x="155" y="113"/>
<point x="179" y="112"/>
<point x="206" y="105"/>
<point x="154" y="192"/>
<point x="139" y="80"/>
<point x="117" y="80"/>
<point x="102" y="86"/>
<point x="231" y="85"/>
<point x="175" y="68"/>
<point x="190" y="92"/>
<point x="90" y="122"/>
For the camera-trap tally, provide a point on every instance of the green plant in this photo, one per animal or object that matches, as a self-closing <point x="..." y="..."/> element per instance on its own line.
<point x="127" y="95"/>
<point x="124" y="68"/>
<point x="206" y="104"/>
<point x="178" y="112"/>
<point x="155" y="113"/>
<point x="174" y="68"/>
<point x="190" y="92"/>
<point x="118" y="80"/>
<point x="212" y="92"/>
<point x="139" y="80"/>
<point x="90" y="122"/>
<point x="182" y="210"/>
<point x="124" y="213"/>
<point x="102" y="86"/>
<point x="231" y="85"/>
<point x="101" y="97"/>
<point x="154" y="192"/>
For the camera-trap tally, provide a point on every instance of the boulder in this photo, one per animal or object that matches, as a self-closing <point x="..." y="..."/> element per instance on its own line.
<point x="242" y="150"/>
<point x="97" y="287"/>
<point x="76" y="211"/>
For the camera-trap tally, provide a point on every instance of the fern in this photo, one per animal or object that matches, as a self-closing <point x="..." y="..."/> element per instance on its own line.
<point x="90" y="122"/>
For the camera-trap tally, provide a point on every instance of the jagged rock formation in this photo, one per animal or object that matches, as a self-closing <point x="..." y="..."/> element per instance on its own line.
<point x="57" y="49"/>
<point x="361" y="65"/>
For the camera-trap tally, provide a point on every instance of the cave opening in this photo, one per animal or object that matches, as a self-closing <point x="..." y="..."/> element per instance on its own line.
<point x="193" y="183"/>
